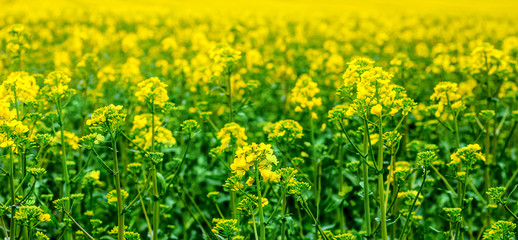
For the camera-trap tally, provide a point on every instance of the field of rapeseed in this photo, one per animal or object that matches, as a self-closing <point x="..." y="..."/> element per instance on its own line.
<point x="262" y="121"/>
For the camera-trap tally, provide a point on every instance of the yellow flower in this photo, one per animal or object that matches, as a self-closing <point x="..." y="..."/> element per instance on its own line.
<point x="152" y="91"/>
<point x="45" y="217"/>
<point x="231" y="135"/>
<point x="56" y="86"/>
<point x="285" y="130"/>
<point x="19" y="85"/>
<point x="376" y="110"/>
<point x="255" y="155"/>
<point x="109" y="118"/>
<point x="304" y="92"/>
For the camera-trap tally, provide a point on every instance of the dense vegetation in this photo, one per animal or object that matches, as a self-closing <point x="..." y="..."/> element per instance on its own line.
<point x="258" y="126"/>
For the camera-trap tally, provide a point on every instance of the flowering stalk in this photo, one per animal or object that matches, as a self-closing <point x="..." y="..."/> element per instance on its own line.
<point x="316" y="170"/>
<point x="13" y="196"/>
<point x="66" y="177"/>
<point x="120" y="203"/>
<point x="413" y="205"/>
<point x="260" y="205"/>
<point x="341" y="183"/>
<point x="156" y="204"/>
<point x="381" y="188"/>
<point x="366" y="204"/>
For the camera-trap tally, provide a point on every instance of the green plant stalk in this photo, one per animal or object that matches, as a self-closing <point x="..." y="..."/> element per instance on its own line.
<point x="394" y="189"/>
<point x="487" y="174"/>
<point x="284" y="203"/>
<point x="255" y="227"/>
<point x="233" y="196"/>
<point x="413" y="205"/>
<point x="6" y="235"/>
<point x="381" y="187"/>
<point x="316" y="170"/>
<point x="463" y="186"/>
<point x="156" y="204"/>
<point x="120" y="203"/>
<point x="260" y="205"/>
<point x="317" y="224"/>
<point x="341" y="184"/>
<point x="366" y="204"/>
<point x="66" y="177"/>
<point x="144" y="208"/>
<point x="13" y="196"/>
<point x="233" y="203"/>
<point x="78" y="225"/>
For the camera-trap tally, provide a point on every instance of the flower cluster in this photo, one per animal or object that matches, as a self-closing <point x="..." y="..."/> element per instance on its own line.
<point x="107" y="119"/>
<point x="142" y="132"/>
<point x="112" y="197"/>
<point x="153" y="92"/>
<point x="31" y="215"/>
<point x="257" y="156"/>
<point x="371" y="91"/>
<point x="225" y="58"/>
<point x="446" y="93"/>
<point x="19" y="86"/>
<point x="286" y="131"/>
<point x="468" y="156"/>
<point x="56" y="86"/>
<point x="231" y="135"/>
<point x="500" y="230"/>
<point x="226" y="228"/>
<point x="303" y="95"/>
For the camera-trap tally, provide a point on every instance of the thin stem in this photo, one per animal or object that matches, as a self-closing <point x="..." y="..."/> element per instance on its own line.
<point x="4" y="228"/>
<point x="381" y="188"/>
<point x="120" y="203"/>
<point x="78" y="225"/>
<point x="144" y="208"/>
<point x="366" y="204"/>
<point x="260" y="205"/>
<point x="254" y="226"/>
<point x="341" y="184"/>
<point x="444" y="180"/>
<point x="64" y="165"/>
<point x="156" y="203"/>
<point x="509" y="211"/>
<point x="413" y="205"/>
<point x="310" y="214"/>
<point x="13" y="196"/>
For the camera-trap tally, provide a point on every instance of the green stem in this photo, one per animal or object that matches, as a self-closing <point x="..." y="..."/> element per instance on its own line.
<point x="260" y="205"/>
<point x="381" y="187"/>
<point x="66" y="177"/>
<point x="509" y="211"/>
<point x="13" y="196"/>
<point x="413" y="205"/>
<point x="156" y="203"/>
<point x="341" y="184"/>
<point x="317" y="223"/>
<point x="254" y="226"/>
<point x="78" y="225"/>
<point x="316" y="169"/>
<point x="120" y="203"/>
<point x="366" y="204"/>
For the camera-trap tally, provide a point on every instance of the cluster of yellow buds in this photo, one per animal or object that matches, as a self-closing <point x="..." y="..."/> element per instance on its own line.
<point x="153" y="92"/>
<point x="303" y="95"/>
<point x="260" y="157"/>
<point x="285" y="131"/>
<point x="19" y="86"/>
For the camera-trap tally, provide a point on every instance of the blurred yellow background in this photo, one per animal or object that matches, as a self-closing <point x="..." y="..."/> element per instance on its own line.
<point x="505" y="7"/>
